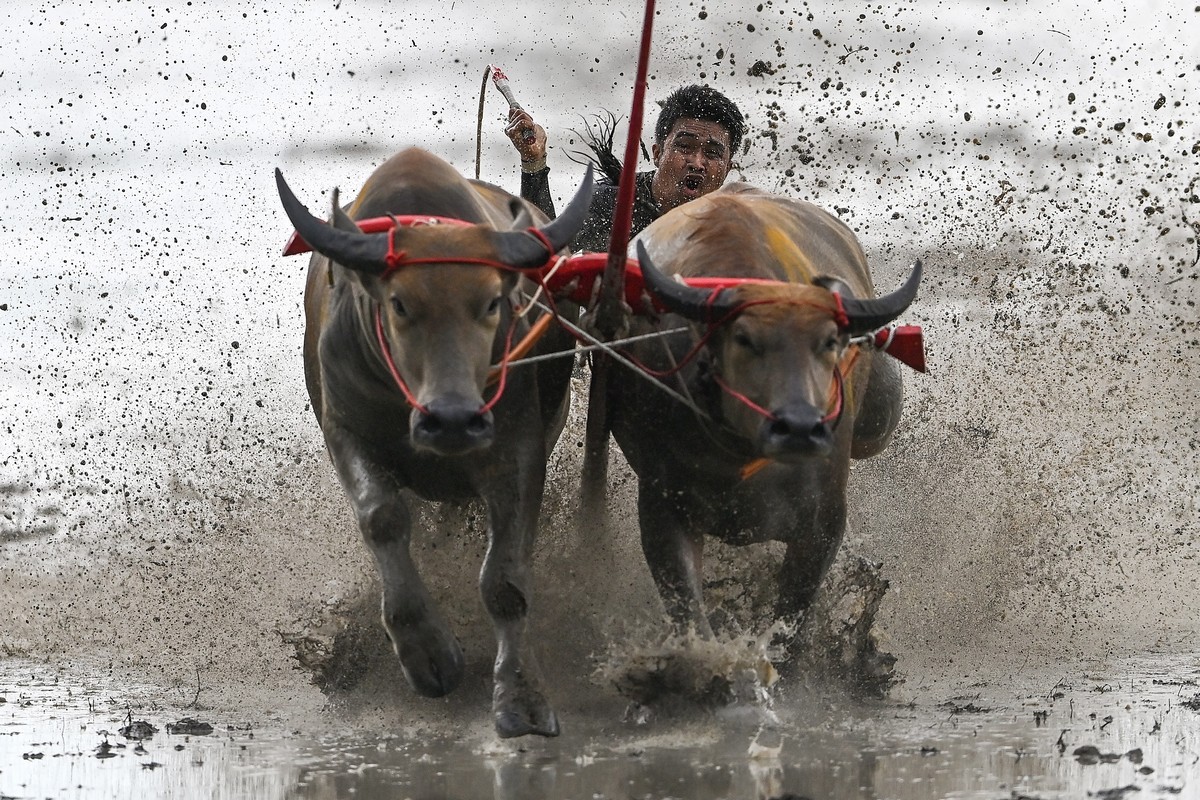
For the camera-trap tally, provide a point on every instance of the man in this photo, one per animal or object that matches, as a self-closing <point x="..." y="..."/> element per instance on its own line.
<point x="697" y="132"/>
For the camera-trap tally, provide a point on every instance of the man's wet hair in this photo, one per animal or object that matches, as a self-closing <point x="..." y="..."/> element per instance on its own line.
<point x="702" y="103"/>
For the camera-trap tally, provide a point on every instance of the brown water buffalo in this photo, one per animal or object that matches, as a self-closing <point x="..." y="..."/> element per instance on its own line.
<point x="783" y="398"/>
<point x="403" y="327"/>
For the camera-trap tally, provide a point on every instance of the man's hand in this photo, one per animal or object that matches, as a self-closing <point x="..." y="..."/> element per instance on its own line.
<point x="532" y="148"/>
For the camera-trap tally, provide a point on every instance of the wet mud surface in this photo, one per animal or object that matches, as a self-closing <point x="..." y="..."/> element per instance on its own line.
<point x="1013" y="613"/>
<point x="1092" y="732"/>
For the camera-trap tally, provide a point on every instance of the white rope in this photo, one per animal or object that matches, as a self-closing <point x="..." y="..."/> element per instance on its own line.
<point x="541" y="287"/>
<point x="609" y="348"/>
<point x="590" y="347"/>
<point x="869" y="338"/>
<point x="620" y="359"/>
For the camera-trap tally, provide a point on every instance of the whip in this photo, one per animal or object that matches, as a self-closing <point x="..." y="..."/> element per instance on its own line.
<point x="500" y="80"/>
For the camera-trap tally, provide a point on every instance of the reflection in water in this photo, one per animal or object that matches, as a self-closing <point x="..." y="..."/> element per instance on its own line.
<point x="972" y="741"/>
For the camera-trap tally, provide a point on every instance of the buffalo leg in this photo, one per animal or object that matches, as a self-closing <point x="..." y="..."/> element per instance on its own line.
<point x="429" y="654"/>
<point x="674" y="555"/>
<point x="807" y="559"/>
<point x="519" y="705"/>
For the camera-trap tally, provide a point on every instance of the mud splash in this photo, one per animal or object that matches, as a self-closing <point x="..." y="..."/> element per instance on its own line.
<point x="836" y="640"/>
<point x="169" y="512"/>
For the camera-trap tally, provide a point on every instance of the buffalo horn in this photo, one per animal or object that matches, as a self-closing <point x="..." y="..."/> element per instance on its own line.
<point x="520" y="250"/>
<point x="366" y="252"/>
<point x="870" y="314"/>
<point x="679" y="298"/>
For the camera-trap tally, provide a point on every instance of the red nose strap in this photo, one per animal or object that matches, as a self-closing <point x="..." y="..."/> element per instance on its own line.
<point x="391" y="365"/>
<point x="497" y="375"/>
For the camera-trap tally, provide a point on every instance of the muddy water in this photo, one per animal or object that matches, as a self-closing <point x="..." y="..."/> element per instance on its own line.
<point x="1065" y="735"/>
<point x="170" y="527"/>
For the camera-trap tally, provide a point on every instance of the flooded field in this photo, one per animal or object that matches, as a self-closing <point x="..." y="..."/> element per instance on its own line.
<point x="174" y="545"/>
<point x="1093" y="732"/>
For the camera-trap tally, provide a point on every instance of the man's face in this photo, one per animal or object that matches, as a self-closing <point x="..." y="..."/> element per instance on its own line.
<point x="693" y="160"/>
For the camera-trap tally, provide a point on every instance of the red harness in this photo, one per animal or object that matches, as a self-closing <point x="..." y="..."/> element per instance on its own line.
<point x="395" y="259"/>
<point x="577" y="276"/>
<point x="296" y="245"/>
<point x="499" y="373"/>
<point x="576" y="279"/>
<point x="834" y="414"/>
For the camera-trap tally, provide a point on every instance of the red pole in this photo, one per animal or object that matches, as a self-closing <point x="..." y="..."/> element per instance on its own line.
<point x="609" y="311"/>
<point x="608" y="307"/>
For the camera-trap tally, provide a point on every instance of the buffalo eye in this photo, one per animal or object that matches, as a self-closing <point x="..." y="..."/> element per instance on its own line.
<point x="833" y="343"/>
<point x="742" y="339"/>
<point x="398" y="307"/>
<point x="494" y="306"/>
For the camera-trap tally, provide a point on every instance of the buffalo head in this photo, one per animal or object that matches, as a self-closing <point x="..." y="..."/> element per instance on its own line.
<point x="431" y="299"/>
<point x="779" y="350"/>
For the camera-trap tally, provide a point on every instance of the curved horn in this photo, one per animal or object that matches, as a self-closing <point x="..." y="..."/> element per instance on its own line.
<point x="694" y="304"/>
<point x="520" y="250"/>
<point x="360" y="251"/>
<point x="868" y="315"/>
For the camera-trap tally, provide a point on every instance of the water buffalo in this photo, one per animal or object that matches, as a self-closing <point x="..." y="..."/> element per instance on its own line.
<point x="782" y="398"/>
<point x="403" y="327"/>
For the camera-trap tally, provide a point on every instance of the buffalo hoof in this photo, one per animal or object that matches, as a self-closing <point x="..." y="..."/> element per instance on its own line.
<point x="430" y="656"/>
<point x="511" y="724"/>
<point x="523" y="712"/>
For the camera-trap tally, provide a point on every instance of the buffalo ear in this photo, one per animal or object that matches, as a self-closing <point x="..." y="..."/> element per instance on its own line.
<point x="521" y="250"/>
<point x="508" y="280"/>
<point x="339" y="218"/>
<point x="832" y="284"/>
<point x="522" y="219"/>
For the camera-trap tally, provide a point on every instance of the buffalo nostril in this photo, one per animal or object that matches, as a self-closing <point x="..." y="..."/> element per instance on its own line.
<point x="430" y="424"/>
<point x="784" y="428"/>
<point x="790" y="432"/>
<point x="453" y="427"/>
<point x="779" y="429"/>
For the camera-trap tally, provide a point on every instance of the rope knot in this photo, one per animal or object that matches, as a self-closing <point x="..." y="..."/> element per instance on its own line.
<point x="839" y="314"/>
<point x="394" y="258"/>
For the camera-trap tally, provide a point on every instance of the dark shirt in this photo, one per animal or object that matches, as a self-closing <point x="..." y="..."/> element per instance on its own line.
<point x="596" y="233"/>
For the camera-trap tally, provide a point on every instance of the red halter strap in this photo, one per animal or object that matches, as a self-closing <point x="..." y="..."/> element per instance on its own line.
<point x="499" y="373"/>
<point x="834" y="414"/>
<point x="839" y="316"/>
<point x="752" y="468"/>
<point x="743" y="399"/>
<point x="395" y="259"/>
<point x="296" y="245"/>
<point x="391" y="365"/>
<point x="503" y="379"/>
<point x="399" y="258"/>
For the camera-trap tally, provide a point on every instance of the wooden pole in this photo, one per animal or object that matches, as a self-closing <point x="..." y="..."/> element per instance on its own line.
<point x="609" y="311"/>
